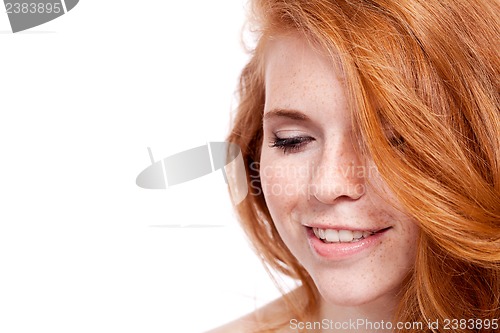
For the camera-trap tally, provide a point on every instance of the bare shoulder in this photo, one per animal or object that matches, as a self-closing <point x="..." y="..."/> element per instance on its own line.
<point x="275" y="313"/>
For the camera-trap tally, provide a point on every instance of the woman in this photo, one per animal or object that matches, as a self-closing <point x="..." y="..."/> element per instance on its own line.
<point x="371" y="134"/>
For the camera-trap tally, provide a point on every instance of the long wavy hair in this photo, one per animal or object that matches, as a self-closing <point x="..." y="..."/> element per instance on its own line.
<point x="430" y="71"/>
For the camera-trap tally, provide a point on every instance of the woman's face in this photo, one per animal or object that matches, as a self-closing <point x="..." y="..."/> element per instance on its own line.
<point x="356" y="246"/>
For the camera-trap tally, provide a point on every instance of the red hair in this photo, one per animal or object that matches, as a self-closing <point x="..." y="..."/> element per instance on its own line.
<point x="429" y="71"/>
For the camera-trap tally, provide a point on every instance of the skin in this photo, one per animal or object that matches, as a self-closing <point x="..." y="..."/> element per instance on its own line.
<point x="366" y="284"/>
<point x="325" y="182"/>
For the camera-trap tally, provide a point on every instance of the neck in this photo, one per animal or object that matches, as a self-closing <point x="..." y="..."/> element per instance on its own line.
<point x="369" y="317"/>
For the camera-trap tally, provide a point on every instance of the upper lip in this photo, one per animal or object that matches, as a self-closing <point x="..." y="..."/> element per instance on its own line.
<point x="341" y="227"/>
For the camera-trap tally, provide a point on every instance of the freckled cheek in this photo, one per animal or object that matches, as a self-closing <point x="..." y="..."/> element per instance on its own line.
<point x="399" y="249"/>
<point x="405" y="245"/>
<point x="281" y="198"/>
<point x="279" y="185"/>
<point x="271" y="187"/>
<point x="412" y="244"/>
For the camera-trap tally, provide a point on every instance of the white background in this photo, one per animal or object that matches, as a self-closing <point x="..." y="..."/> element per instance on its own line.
<point x="82" y="248"/>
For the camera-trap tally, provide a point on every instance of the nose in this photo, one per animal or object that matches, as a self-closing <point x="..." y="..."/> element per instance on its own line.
<point x="340" y="173"/>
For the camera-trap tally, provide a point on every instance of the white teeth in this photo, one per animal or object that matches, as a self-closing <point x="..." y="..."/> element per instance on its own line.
<point x="332" y="235"/>
<point x="341" y="236"/>
<point x="345" y="236"/>
<point x="357" y="234"/>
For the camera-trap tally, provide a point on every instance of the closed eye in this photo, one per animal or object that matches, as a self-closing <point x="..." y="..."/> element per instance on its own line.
<point x="292" y="144"/>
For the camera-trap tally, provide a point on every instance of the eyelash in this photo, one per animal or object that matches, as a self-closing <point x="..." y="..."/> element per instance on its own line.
<point x="290" y="145"/>
<point x="294" y="144"/>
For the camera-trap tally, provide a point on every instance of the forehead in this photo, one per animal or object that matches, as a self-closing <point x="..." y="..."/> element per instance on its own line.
<point x="296" y="73"/>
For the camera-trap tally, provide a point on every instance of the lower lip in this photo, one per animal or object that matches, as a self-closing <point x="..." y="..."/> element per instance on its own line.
<point x="340" y="251"/>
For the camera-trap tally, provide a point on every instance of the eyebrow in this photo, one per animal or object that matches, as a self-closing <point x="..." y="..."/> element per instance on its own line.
<point x="286" y="113"/>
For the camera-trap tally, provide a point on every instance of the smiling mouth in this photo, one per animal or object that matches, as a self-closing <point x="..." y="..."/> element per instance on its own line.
<point x="344" y="236"/>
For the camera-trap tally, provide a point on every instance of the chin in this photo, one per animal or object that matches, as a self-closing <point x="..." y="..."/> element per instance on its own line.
<point x="358" y="285"/>
<point x="355" y="298"/>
